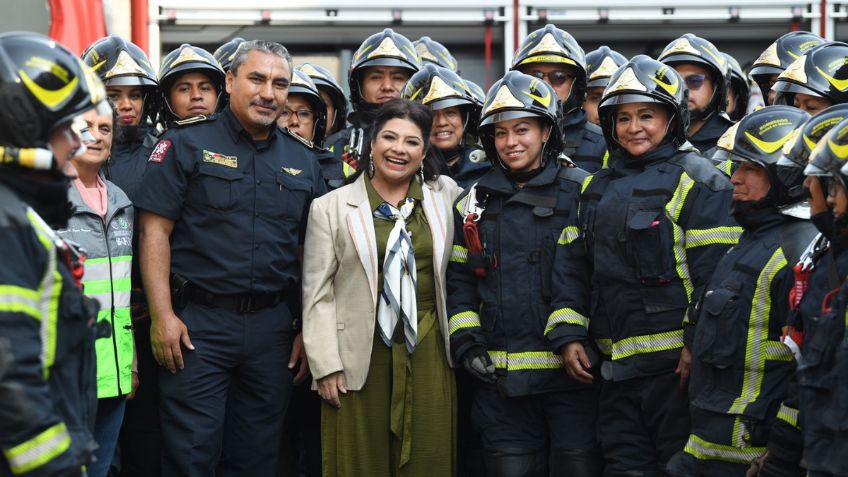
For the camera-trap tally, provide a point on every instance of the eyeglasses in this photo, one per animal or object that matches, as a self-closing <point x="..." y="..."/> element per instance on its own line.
<point x="554" y="78"/>
<point x="302" y="114"/>
<point x="695" y="81"/>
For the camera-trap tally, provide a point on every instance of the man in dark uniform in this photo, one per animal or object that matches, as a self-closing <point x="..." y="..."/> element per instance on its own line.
<point x="223" y="212"/>
<point x="554" y="56"/>
<point x="702" y="67"/>
<point x="191" y="82"/>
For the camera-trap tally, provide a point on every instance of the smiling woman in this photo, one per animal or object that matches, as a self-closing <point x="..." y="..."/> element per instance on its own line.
<point x="382" y="365"/>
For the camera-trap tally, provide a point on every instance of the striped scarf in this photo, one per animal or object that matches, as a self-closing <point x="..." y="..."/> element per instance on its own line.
<point x="397" y="300"/>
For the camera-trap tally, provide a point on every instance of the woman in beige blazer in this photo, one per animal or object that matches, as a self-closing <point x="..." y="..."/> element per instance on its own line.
<point x="374" y="320"/>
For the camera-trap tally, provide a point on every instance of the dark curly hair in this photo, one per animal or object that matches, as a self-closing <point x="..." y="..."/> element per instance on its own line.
<point x="402" y="109"/>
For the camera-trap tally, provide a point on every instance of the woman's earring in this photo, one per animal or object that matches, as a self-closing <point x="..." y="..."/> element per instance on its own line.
<point x="421" y="174"/>
<point x="370" y="165"/>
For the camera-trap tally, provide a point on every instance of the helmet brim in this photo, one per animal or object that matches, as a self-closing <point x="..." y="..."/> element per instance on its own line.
<point x="790" y="87"/>
<point x="765" y="70"/>
<point x="214" y="73"/>
<point x="816" y="171"/>
<point x="508" y="115"/>
<point x="449" y="103"/>
<point x="629" y="98"/>
<point x="130" y="81"/>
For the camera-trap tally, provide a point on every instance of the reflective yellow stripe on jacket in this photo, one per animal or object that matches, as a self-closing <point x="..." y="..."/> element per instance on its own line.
<point x="713" y="236"/>
<point x="566" y="316"/>
<point x="788" y="415"/>
<point x="673" y="208"/>
<point x="758" y="328"/>
<point x="704" y="450"/>
<point x="525" y="360"/>
<point x="15" y="299"/>
<point x="643" y="344"/>
<point x="459" y="254"/>
<point x="48" y="292"/>
<point x="41" y="449"/>
<point x="465" y="319"/>
<point x="568" y="235"/>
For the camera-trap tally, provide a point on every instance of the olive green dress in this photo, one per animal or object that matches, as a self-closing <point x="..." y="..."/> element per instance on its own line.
<point x="403" y="420"/>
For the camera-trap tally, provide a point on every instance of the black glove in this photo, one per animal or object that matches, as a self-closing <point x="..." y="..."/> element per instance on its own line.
<point x="478" y="363"/>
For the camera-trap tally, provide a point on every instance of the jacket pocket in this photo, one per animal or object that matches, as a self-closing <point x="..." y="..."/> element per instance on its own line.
<point x="292" y="195"/>
<point x="649" y="244"/>
<point x="720" y="329"/>
<point x="217" y="187"/>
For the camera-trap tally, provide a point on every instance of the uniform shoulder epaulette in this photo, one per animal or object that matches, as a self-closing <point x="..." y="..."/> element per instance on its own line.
<point x="194" y="120"/>
<point x="305" y="142"/>
<point x="573" y="174"/>
<point x="702" y="170"/>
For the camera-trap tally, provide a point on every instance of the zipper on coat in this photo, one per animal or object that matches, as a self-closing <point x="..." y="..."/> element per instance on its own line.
<point x="112" y="307"/>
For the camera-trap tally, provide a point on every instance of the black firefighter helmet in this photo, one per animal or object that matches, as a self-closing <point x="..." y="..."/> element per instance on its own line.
<point x="518" y="95"/>
<point x="550" y="44"/>
<point x="646" y="80"/>
<point x="119" y="62"/>
<point x="186" y="59"/>
<point x="386" y="48"/>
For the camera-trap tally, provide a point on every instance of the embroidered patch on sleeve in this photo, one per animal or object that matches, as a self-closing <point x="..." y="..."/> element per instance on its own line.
<point x="158" y="154"/>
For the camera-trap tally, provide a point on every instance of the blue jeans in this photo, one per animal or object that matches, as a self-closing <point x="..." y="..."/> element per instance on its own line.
<point x="110" y="416"/>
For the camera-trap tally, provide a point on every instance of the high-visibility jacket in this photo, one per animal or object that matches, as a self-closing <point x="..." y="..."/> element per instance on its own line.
<point x="740" y="368"/>
<point x="506" y="312"/>
<point x="47" y="394"/>
<point x="651" y="230"/>
<point x="107" y="242"/>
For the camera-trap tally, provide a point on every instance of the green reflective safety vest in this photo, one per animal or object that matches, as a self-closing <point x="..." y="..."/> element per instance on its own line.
<point x="107" y="242"/>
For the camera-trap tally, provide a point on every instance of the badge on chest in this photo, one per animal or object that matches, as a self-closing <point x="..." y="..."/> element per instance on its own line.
<point x="220" y="159"/>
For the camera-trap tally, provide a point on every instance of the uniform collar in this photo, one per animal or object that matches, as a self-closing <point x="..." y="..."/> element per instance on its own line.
<point x="374" y="199"/>
<point x="576" y="118"/>
<point x="496" y="180"/>
<point x="238" y="133"/>
<point x="712" y="129"/>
